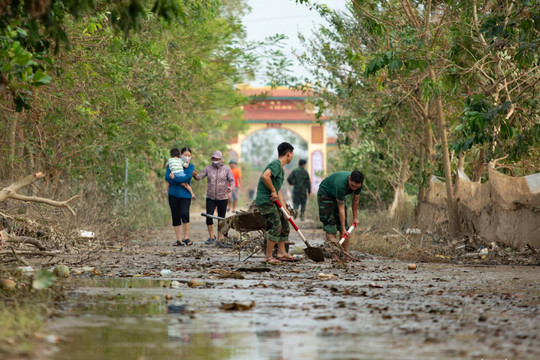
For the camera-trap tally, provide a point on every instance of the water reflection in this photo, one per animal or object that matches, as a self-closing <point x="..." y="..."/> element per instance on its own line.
<point x="127" y="283"/>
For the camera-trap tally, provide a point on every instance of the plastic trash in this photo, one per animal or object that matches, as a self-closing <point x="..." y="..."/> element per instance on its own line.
<point x="323" y="276"/>
<point x="26" y="269"/>
<point x="412" y="231"/>
<point x="176" y="309"/>
<point x="165" y="272"/>
<point x="175" y="284"/>
<point x="86" y="234"/>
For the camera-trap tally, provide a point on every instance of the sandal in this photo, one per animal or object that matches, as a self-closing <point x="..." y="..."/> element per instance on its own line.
<point x="273" y="261"/>
<point x="178" y="243"/>
<point x="287" y="259"/>
<point x="188" y="242"/>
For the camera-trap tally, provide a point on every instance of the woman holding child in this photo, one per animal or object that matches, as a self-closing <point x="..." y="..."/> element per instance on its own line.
<point x="180" y="193"/>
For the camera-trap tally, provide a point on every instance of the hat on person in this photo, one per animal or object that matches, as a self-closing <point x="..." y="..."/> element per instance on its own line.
<point x="217" y="155"/>
<point x="233" y="162"/>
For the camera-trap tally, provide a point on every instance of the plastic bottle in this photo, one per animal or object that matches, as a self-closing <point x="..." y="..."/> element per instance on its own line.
<point x="165" y="272"/>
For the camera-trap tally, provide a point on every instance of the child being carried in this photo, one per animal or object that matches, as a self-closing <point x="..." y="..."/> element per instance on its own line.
<point x="177" y="165"/>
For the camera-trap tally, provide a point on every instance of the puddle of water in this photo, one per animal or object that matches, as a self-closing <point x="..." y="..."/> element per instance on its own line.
<point x="122" y="283"/>
<point x="208" y="338"/>
<point x="129" y="319"/>
<point x="415" y="316"/>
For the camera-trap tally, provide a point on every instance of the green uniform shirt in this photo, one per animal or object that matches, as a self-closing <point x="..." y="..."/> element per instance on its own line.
<point x="337" y="185"/>
<point x="278" y="175"/>
<point x="299" y="178"/>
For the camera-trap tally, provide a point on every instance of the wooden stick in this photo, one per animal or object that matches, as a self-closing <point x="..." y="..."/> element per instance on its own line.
<point x="19" y="259"/>
<point x="7" y="192"/>
<point x="10" y="192"/>
<point x="37" y="253"/>
<point x="400" y="234"/>
<point x="21" y="239"/>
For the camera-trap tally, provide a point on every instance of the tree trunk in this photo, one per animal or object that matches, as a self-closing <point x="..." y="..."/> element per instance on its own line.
<point x="479" y="165"/>
<point x="428" y="145"/>
<point x="12" y="136"/>
<point x="453" y="217"/>
<point x="461" y="161"/>
<point x="397" y="210"/>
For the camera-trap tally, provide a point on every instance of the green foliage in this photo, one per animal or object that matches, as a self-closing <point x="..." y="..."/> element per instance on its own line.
<point x="28" y="30"/>
<point x="43" y="279"/>
<point x="370" y="69"/>
<point x="170" y="84"/>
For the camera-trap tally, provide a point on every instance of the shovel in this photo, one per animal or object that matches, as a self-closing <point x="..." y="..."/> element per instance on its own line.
<point x="314" y="254"/>
<point x="347" y="234"/>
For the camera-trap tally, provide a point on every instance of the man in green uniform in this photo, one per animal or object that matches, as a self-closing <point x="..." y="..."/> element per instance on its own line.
<point x="268" y="191"/>
<point x="299" y="178"/>
<point x="331" y="200"/>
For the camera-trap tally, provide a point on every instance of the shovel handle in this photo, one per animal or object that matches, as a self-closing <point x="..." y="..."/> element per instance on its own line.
<point x="347" y="234"/>
<point x="288" y="217"/>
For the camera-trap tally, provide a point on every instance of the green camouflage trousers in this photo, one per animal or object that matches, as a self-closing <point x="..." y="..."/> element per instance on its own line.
<point x="275" y="224"/>
<point x="299" y="203"/>
<point x="329" y="214"/>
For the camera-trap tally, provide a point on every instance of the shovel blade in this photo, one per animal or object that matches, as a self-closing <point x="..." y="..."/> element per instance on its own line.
<point x="314" y="254"/>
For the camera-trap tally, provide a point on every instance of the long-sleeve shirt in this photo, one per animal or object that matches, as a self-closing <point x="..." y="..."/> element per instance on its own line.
<point x="220" y="178"/>
<point x="176" y="189"/>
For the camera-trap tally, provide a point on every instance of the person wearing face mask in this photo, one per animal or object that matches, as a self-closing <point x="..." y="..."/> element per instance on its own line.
<point x="180" y="194"/>
<point x="176" y="164"/>
<point x="220" y="184"/>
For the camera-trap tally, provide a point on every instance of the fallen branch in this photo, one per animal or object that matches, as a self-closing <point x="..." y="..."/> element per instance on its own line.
<point x="10" y="192"/>
<point x="7" y="237"/>
<point x="335" y="247"/>
<point x="400" y="234"/>
<point x="19" y="259"/>
<point x="36" y="253"/>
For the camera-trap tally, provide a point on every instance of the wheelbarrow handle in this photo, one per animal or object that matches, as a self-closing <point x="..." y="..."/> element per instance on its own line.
<point x="212" y="216"/>
<point x="288" y="217"/>
<point x="347" y="234"/>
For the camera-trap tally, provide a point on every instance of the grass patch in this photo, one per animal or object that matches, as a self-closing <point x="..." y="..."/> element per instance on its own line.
<point x="23" y="312"/>
<point x="380" y="235"/>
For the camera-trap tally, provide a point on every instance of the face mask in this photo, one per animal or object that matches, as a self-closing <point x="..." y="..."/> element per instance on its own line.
<point x="216" y="162"/>
<point x="186" y="158"/>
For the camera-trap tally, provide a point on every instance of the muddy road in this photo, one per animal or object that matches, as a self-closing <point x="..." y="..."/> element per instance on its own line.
<point x="373" y="309"/>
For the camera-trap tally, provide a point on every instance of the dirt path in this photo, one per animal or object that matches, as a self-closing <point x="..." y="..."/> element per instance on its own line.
<point x="374" y="309"/>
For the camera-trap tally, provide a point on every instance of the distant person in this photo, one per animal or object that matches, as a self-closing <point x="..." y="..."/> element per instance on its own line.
<point x="219" y="185"/>
<point x="233" y="199"/>
<point x="180" y="198"/>
<point x="301" y="182"/>
<point x="268" y="191"/>
<point x="331" y="201"/>
<point x="177" y="165"/>
<point x="251" y="194"/>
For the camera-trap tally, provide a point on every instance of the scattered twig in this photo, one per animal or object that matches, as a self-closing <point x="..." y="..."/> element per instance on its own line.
<point x="19" y="259"/>
<point x="37" y="253"/>
<point x="7" y="237"/>
<point x="400" y="234"/>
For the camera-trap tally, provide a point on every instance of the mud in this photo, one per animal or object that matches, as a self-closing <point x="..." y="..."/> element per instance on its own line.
<point x="375" y="309"/>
